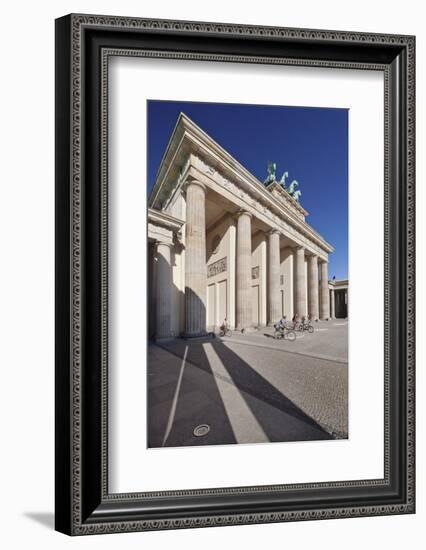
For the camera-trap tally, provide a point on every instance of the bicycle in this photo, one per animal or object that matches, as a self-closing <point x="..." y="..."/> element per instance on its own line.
<point x="304" y="324"/>
<point x="284" y="332"/>
<point x="225" y="330"/>
<point x="289" y="335"/>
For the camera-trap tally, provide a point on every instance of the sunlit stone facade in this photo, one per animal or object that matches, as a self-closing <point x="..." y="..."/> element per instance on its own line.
<point x="222" y="245"/>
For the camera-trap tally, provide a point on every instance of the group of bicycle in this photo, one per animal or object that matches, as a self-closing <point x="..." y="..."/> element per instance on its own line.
<point x="283" y="328"/>
<point x="287" y="329"/>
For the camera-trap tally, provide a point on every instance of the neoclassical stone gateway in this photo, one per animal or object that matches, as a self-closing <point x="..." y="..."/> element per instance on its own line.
<point x="223" y="245"/>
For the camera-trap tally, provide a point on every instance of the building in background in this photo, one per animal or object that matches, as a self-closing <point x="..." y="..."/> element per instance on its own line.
<point x="339" y="307"/>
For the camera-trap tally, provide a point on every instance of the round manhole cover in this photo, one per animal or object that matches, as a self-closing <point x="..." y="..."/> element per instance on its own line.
<point x="202" y="429"/>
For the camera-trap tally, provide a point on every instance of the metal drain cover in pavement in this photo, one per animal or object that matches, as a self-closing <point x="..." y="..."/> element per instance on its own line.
<point x="202" y="429"/>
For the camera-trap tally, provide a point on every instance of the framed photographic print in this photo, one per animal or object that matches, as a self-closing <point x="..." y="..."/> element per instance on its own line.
<point x="234" y="274"/>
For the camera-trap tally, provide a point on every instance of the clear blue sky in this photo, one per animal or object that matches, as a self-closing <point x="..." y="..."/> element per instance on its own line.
<point x="310" y="143"/>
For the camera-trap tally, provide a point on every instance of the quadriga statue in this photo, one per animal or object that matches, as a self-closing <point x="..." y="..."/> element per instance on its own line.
<point x="296" y="195"/>
<point x="291" y="189"/>
<point x="272" y="170"/>
<point x="282" y="180"/>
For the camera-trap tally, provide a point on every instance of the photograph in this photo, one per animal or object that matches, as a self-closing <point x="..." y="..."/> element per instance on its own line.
<point x="210" y="222"/>
<point x="247" y="270"/>
<point x="234" y="271"/>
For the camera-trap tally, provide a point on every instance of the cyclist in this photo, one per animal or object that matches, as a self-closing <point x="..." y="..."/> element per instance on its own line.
<point x="224" y="326"/>
<point x="282" y="322"/>
<point x="280" y="327"/>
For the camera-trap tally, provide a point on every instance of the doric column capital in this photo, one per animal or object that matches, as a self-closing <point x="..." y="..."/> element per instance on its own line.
<point x="273" y="232"/>
<point x="242" y="211"/>
<point x="158" y="243"/>
<point x="189" y="182"/>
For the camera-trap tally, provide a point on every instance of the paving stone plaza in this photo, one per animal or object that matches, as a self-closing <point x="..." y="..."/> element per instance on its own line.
<point x="250" y="388"/>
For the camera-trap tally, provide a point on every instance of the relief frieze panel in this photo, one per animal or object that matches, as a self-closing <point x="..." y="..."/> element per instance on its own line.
<point x="217" y="267"/>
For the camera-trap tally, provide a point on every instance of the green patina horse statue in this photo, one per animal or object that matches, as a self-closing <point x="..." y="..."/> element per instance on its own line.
<point x="272" y="170"/>
<point x="272" y="177"/>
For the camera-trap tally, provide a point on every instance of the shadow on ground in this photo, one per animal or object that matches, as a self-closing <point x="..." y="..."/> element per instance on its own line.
<point x="198" y="399"/>
<point x="47" y="519"/>
<point x="184" y="394"/>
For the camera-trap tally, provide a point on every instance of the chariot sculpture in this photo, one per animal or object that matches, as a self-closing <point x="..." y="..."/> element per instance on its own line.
<point x="272" y="177"/>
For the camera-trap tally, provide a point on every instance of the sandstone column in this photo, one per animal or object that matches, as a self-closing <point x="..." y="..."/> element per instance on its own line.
<point x="300" y="282"/>
<point x="347" y="303"/>
<point x="313" y="292"/>
<point x="274" y="306"/>
<point x="195" y="260"/>
<point x="325" y="298"/>
<point x="333" y="304"/>
<point x="164" y="291"/>
<point x="244" y="307"/>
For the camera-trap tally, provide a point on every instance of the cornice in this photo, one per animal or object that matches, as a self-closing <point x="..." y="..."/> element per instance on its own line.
<point x="189" y="143"/>
<point x="165" y="220"/>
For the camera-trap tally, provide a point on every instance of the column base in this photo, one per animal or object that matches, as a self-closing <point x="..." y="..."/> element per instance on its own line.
<point x="245" y="329"/>
<point x="164" y="339"/>
<point x="198" y="336"/>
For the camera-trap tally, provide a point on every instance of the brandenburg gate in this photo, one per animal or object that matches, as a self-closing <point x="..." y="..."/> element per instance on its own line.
<point x="224" y="245"/>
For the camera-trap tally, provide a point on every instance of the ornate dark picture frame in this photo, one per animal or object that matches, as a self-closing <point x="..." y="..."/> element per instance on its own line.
<point x="83" y="45"/>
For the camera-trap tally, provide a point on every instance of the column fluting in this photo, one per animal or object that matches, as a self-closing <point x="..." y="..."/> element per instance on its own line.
<point x="347" y="303"/>
<point x="195" y="260"/>
<point x="243" y="275"/>
<point x="274" y="305"/>
<point x="300" y="282"/>
<point x="313" y="290"/>
<point x="164" y="291"/>
<point x="332" y="304"/>
<point x="325" y="298"/>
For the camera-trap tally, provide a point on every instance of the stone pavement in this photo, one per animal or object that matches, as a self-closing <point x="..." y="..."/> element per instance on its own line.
<point x="249" y="388"/>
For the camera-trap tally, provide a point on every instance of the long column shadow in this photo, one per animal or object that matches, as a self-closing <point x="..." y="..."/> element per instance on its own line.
<point x="279" y="417"/>
<point x="293" y="425"/>
<point x="199" y="402"/>
<point x="162" y="380"/>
